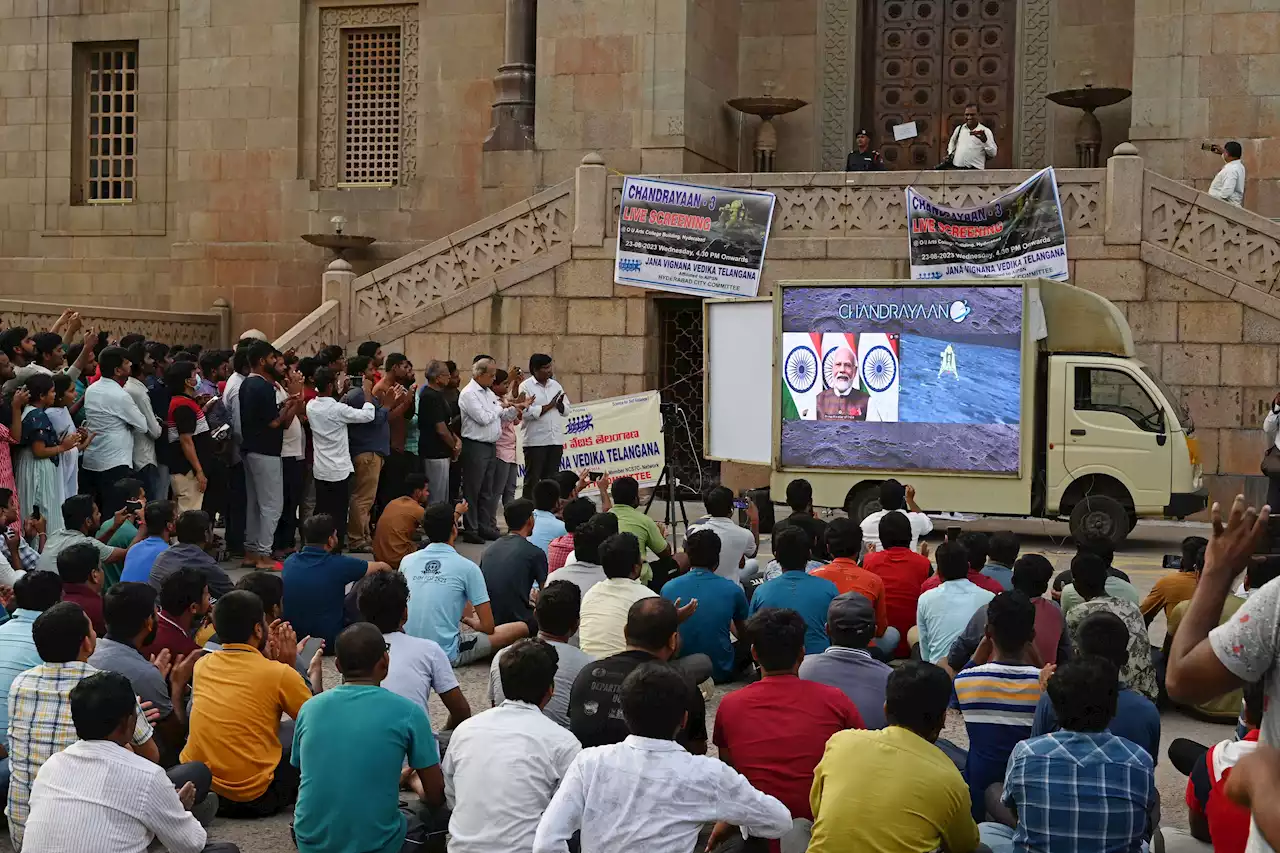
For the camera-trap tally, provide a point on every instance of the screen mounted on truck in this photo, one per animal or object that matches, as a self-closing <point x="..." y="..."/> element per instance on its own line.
<point x="893" y="378"/>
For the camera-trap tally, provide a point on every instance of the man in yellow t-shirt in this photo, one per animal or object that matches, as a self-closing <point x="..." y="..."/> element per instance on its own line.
<point x="920" y="800"/>
<point x="238" y="696"/>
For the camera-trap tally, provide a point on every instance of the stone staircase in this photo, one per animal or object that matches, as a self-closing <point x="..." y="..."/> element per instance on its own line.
<point x="1196" y="278"/>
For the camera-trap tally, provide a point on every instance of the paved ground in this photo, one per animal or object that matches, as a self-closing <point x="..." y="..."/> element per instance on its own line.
<point x="1141" y="559"/>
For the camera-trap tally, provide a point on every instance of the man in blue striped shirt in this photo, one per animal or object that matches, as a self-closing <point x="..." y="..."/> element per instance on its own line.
<point x="998" y="695"/>
<point x="1081" y="789"/>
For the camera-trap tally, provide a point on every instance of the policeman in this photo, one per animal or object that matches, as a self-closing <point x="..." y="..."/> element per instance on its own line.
<point x="864" y="158"/>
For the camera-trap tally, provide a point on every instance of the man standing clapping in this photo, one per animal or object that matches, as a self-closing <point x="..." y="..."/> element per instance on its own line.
<point x="482" y="417"/>
<point x="543" y="422"/>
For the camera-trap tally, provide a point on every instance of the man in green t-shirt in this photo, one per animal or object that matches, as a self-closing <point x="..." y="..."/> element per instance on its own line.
<point x="626" y="506"/>
<point x="361" y="728"/>
<point x="131" y="493"/>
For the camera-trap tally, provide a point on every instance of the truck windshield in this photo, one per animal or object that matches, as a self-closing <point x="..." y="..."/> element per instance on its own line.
<point x="1184" y="415"/>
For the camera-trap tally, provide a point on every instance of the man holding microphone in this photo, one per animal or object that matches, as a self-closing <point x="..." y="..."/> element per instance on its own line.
<point x="544" y="421"/>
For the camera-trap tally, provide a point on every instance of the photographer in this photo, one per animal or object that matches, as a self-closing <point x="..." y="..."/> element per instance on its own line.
<point x="1228" y="184"/>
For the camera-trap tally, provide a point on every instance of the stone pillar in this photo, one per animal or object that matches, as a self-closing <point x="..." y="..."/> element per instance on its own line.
<point x="513" y="109"/>
<point x="337" y="284"/>
<point x="1123" y="222"/>
<point x="222" y="308"/>
<point x="590" y="201"/>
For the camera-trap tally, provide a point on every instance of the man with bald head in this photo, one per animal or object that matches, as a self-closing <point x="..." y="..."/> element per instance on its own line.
<point x="483" y="414"/>
<point x="844" y="400"/>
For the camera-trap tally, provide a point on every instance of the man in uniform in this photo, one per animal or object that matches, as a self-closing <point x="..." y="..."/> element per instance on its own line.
<point x="864" y="158"/>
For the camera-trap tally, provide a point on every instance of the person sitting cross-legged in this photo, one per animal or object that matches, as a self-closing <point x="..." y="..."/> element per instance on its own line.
<point x="646" y="793"/>
<point x="559" y="606"/>
<point x="239" y="696"/>
<point x="399" y="528"/>
<point x="504" y="764"/>
<point x="844" y="541"/>
<point x="33" y="593"/>
<point x="316" y="580"/>
<point x="546" y="525"/>
<point x="161" y="519"/>
<point x="943" y="612"/>
<point x="848" y="664"/>
<point x="998" y="694"/>
<point x="974" y="544"/>
<point x="194" y="533"/>
<point x="184" y="606"/>
<point x="797" y="590"/>
<point x="721" y="604"/>
<point x="625" y="492"/>
<point x="1089" y="572"/>
<point x="443" y="583"/>
<point x="163" y="680"/>
<point x="1136" y="719"/>
<point x="99" y="795"/>
<point x="80" y="515"/>
<point x="738" y="545"/>
<point x="82" y="580"/>
<point x="576" y="513"/>
<point x="1031" y="576"/>
<point x="349" y="746"/>
<point x="513" y="565"/>
<point x="652" y="634"/>
<point x="418" y="666"/>
<point x="1080" y="788"/>
<point x="893" y="789"/>
<point x="903" y="571"/>
<point x="775" y="730"/>
<point x="584" y="570"/>
<point x="606" y="605"/>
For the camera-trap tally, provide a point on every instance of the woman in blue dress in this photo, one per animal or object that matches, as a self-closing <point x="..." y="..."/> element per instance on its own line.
<point x="39" y="478"/>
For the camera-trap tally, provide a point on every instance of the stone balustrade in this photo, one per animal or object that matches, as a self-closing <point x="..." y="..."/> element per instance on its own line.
<point x="210" y="329"/>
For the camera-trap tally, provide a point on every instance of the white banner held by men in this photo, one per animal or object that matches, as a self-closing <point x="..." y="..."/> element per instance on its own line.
<point x="621" y="436"/>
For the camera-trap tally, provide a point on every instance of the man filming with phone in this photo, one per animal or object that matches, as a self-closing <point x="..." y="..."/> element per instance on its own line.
<point x="972" y="143"/>
<point x="737" y="544"/>
<point x="1228" y="184"/>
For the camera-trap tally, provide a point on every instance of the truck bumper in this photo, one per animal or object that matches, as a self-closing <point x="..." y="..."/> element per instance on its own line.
<point x="1182" y="504"/>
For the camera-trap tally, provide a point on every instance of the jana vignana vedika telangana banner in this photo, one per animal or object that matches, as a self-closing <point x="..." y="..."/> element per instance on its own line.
<point x="620" y="436"/>
<point x="703" y="241"/>
<point x="1018" y="235"/>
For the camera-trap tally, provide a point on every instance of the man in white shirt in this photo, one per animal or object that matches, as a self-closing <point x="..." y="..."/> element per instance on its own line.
<point x="972" y="143"/>
<point x="331" y="455"/>
<point x="293" y="451"/>
<point x="737" y="544"/>
<point x="1228" y="184"/>
<point x="237" y="499"/>
<point x="113" y="417"/>
<point x="482" y="417"/>
<point x="97" y="794"/>
<point x="543" y="422"/>
<point x="647" y="793"/>
<point x="504" y="764"/>
<point x="895" y="497"/>
<point x="145" y="462"/>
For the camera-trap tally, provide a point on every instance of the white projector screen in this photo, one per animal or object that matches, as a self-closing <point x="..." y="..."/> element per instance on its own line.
<point x="739" y="380"/>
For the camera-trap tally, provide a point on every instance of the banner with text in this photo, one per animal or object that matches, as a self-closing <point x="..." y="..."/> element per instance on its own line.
<point x="1018" y="235"/>
<point x="704" y="241"/>
<point x="621" y="436"/>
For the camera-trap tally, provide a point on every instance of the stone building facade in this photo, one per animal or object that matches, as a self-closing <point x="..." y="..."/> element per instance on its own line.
<point x="162" y="154"/>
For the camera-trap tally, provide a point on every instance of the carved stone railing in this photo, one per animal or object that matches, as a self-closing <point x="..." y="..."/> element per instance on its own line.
<point x="464" y="267"/>
<point x="314" y="331"/>
<point x="839" y="204"/>
<point x="1212" y="234"/>
<point x="210" y="329"/>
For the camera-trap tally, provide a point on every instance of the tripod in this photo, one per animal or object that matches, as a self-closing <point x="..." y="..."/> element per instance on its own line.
<point x="673" y="487"/>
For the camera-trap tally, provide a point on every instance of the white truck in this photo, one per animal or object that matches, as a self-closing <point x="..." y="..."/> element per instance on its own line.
<point x="1016" y="398"/>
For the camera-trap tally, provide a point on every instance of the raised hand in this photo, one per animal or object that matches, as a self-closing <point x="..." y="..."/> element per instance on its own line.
<point x="187" y="795"/>
<point x="20" y="399"/>
<point x="1234" y="541"/>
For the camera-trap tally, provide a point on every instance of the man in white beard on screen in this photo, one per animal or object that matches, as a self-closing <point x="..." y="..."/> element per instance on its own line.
<point x="844" y="400"/>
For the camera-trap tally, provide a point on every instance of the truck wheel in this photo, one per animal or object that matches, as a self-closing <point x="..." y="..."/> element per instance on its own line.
<point x="862" y="502"/>
<point x="1101" y="517"/>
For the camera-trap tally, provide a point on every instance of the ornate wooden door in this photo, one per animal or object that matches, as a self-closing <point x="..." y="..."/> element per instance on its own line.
<point x="924" y="61"/>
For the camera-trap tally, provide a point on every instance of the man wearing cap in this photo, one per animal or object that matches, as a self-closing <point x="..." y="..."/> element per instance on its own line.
<point x="864" y="158"/>
<point x="847" y="665"/>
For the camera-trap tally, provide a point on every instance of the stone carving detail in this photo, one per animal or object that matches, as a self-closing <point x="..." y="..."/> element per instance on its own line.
<point x="332" y="23"/>
<point x="1033" y="142"/>
<point x="1225" y="245"/>
<point x="203" y="333"/>
<point x="525" y="236"/>
<point x="837" y="112"/>
<point x="316" y="331"/>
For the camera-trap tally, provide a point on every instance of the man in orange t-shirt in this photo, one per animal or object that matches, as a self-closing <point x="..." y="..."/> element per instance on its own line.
<point x="844" y="542"/>
<point x="902" y="571"/>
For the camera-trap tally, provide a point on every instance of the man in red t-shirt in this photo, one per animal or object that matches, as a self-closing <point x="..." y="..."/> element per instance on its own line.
<point x="975" y="544"/>
<point x="184" y="604"/>
<point x="775" y="731"/>
<point x="844" y="542"/>
<point x="903" y="572"/>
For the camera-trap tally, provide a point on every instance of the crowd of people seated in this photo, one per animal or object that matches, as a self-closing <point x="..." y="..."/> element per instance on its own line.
<point x="147" y="697"/>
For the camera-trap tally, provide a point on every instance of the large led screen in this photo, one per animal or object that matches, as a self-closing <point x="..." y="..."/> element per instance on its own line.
<point x="902" y="378"/>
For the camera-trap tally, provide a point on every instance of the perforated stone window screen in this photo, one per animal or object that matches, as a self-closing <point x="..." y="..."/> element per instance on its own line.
<point x="108" y="101"/>
<point x="371" y="107"/>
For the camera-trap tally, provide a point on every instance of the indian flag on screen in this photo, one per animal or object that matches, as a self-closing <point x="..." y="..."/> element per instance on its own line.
<point x="879" y="370"/>
<point x="801" y="375"/>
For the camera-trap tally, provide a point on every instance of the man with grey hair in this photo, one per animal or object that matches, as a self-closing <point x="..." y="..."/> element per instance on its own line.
<point x="482" y="417"/>
<point x="437" y="445"/>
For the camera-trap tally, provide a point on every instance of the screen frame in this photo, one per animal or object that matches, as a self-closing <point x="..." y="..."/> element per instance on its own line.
<point x="709" y="383"/>
<point x="1026" y="378"/>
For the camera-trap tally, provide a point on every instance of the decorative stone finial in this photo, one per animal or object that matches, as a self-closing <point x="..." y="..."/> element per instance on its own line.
<point x="1126" y="149"/>
<point x="592" y="158"/>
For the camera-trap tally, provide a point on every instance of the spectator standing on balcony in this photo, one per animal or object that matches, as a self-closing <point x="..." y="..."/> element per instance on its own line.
<point x="864" y="158"/>
<point x="544" y="422"/>
<point x="972" y="143"/>
<point x="1228" y="184"/>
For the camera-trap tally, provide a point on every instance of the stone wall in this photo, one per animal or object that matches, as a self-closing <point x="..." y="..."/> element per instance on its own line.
<point x="1092" y="43"/>
<point x="779" y="44"/>
<point x="1209" y="72"/>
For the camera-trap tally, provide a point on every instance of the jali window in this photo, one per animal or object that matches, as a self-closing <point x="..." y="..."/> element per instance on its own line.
<point x="371" y="106"/>
<point x="107" y="130"/>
